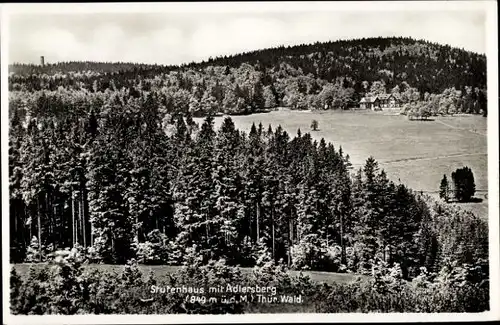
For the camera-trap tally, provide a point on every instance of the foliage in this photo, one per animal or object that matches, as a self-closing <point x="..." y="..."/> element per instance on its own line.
<point x="455" y="288"/>
<point x="444" y="189"/>
<point x="155" y="250"/>
<point x="463" y="183"/>
<point x="34" y="252"/>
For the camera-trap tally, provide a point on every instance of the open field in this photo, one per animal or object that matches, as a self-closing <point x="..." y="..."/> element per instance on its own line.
<point x="161" y="271"/>
<point x="416" y="153"/>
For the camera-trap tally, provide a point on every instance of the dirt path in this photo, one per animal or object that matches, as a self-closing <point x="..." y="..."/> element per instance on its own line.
<point x="404" y="160"/>
<point x="456" y="127"/>
<point x="431" y="158"/>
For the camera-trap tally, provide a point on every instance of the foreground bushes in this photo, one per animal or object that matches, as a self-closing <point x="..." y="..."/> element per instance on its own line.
<point x="454" y="289"/>
<point x="66" y="287"/>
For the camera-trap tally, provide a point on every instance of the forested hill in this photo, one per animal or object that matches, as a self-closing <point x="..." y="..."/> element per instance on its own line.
<point x="321" y="75"/>
<point x="427" y="66"/>
<point x="81" y="66"/>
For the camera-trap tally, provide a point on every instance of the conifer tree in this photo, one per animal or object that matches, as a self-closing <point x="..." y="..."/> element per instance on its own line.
<point x="463" y="183"/>
<point x="253" y="183"/>
<point x="229" y="207"/>
<point x="18" y="236"/>
<point x="258" y="101"/>
<point x="444" y="189"/>
<point x="193" y="193"/>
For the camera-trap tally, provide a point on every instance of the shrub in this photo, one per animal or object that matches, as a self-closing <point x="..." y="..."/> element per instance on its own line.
<point x="66" y="288"/>
<point x="352" y="259"/>
<point x="314" y="125"/>
<point x="145" y="253"/>
<point x="68" y="295"/>
<point x="309" y="253"/>
<point x="214" y="274"/>
<point x="15" y="289"/>
<point x="333" y="259"/>
<point x="34" y="295"/>
<point x="250" y="253"/>
<point x="262" y="254"/>
<point x="155" y="250"/>
<point x="33" y="252"/>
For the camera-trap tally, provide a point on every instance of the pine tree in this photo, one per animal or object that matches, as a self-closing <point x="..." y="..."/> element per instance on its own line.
<point x="18" y="233"/>
<point x="253" y="183"/>
<point x="108" y="177"/>
<point x="367" y="213"/>
<point x="444" y="189"/>
<point x="258" y="101"/>
<point x="37" y="177"/>
<point x="193" y="193"/>
<point x="229" y="207"/>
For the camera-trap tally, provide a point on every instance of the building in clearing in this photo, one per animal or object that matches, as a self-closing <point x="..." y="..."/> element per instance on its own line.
<point x="379" y="102"/>
<point x="388" y="101"/>
<point x="362" y="103"/>
<point x="372" y="103"/>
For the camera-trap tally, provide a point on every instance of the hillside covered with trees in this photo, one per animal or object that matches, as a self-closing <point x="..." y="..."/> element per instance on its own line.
<point x="318" y="76"/>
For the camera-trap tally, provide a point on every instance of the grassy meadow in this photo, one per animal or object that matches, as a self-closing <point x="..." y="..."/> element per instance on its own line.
<point x="416" y="153"/>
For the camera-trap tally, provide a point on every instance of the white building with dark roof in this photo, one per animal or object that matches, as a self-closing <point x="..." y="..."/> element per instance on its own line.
<point x="379" y="102"/>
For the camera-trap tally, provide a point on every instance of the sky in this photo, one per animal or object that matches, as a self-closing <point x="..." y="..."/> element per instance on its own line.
<point x="182" y="37"/>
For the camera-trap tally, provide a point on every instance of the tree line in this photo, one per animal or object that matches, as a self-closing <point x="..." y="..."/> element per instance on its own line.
<point x="332" y="75"/>
<point x="121" y="176"/>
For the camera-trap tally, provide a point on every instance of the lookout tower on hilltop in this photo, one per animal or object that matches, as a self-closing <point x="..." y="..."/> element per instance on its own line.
<point x="42" y="60"/>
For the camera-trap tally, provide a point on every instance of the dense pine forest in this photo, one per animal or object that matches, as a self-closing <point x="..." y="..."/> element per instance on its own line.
<point x="107" y="159"/>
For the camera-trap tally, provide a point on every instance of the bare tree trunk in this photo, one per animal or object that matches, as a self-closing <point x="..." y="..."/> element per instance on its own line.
<point x="54" y="226"/>
<point x="342" y="247"/>
<point x="85" y="229"/>
<point x="91" y="234"/>
<point x="290" y="240"/>
<point x="258" y="220"/>
<point x="30" y="226"/>
<point x="272" y="228"/>
<point x="250" y="226"/>
<point x="62" y="227"/>
<point x="326" y="228"/>
<point x="39" y="231"/>
<point x="136" y="235"/>
<point x="73" y="228"/>
<point x="112" y="245"/>
<point x="206" y="228"/>
<point x="15" y="219"/>
<point x="77" y="216"/>
<point x="24" y="223"/>
<point x="48" y="217"/>
<point x="84" y="221"/>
